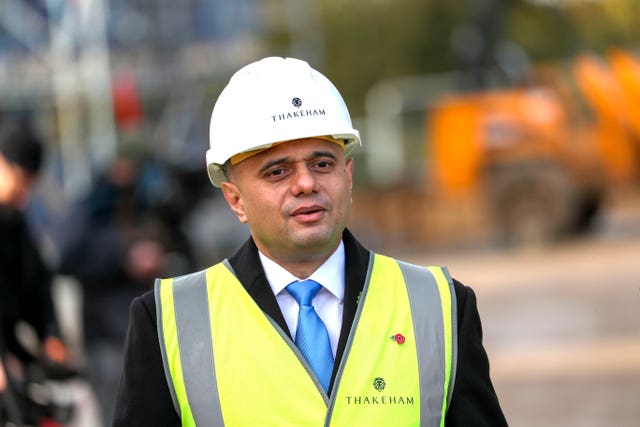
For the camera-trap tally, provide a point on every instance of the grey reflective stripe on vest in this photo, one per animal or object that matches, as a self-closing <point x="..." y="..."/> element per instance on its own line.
<point x="454" y="333"/>
<point x="426" y="308"/>
<point x="196" y="349"/>
<point x="163" y="347"/>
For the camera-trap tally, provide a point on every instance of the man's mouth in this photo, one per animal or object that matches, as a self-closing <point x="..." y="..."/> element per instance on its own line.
<point x="308" y="213"/>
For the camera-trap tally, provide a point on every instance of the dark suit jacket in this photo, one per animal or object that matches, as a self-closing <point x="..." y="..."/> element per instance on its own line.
<point x="144" y="400"/>
<point x="25" y="285"/>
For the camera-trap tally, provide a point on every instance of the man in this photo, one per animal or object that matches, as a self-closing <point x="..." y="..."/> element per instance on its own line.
<point x="25" y="280"/>
<point x="367" y="341"/>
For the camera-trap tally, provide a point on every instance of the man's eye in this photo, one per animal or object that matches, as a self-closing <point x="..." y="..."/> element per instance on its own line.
<point x="323" y="164"/>
<point x="275" y="172"/>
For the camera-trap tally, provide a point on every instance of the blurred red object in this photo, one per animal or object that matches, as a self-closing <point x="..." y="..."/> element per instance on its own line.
<point x="126" y="100"/>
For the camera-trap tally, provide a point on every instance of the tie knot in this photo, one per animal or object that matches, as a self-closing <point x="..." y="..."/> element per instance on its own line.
<point x="304" y="291"/>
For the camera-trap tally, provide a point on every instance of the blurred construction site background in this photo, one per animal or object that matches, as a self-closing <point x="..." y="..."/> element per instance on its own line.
<point x="500" y="137"/>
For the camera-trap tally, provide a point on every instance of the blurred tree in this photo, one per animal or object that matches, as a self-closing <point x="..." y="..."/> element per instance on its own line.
<point x="605" y="23"/>
<point x="369" y="40"/>
<point x="544" y="32"/>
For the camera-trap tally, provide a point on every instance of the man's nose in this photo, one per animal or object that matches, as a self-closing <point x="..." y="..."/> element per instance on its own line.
<point x="304" y="181"/>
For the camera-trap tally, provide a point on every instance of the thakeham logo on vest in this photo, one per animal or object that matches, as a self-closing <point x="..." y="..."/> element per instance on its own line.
<point x="379" y="385"/>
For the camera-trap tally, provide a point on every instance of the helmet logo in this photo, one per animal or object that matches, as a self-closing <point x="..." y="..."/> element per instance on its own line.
<point x="297" y="102"/>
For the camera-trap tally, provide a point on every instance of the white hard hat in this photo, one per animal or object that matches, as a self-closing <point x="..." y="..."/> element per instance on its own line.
<point x="270" y="101"/>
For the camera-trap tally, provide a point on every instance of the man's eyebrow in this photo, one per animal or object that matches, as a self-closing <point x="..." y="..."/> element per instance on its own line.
<point x="317" y="154"/>
<point x="271" y="163"/>
<point x="282" y="160"/>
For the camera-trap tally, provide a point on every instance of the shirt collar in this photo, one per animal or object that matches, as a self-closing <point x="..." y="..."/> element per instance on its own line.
<point x="330" y="274"/>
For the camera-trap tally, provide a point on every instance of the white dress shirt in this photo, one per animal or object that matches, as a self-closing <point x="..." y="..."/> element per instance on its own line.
<point x="328" y="302"/>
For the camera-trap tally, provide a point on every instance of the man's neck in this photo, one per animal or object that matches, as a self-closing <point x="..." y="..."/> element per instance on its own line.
<point x="300" y="266"/>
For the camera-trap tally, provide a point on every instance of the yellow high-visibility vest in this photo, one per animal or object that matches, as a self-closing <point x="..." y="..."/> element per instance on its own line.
<point x="229" y="364"/>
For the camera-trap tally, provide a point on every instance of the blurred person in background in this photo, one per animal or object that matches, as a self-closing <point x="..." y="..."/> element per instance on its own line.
<point x="25" y="278"/>
<point x="124" y="232"/>
<point x="302" y="325"/>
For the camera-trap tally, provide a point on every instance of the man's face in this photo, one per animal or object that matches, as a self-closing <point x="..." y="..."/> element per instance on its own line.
<point x="15" y="184"/>
<point x="295" y="197"/>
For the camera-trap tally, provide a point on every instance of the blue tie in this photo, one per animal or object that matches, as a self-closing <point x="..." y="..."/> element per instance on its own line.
<point x="312" y="337"/>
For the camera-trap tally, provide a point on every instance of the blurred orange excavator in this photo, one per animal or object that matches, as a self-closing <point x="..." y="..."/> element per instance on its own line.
<point x="530" y="164"/>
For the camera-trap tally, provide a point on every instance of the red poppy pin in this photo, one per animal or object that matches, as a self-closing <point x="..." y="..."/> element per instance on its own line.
<point x="398" y="338"/>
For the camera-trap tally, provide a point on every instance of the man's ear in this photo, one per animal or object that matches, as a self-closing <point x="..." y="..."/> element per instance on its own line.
<point x="349" y="169"/>
<point x="233" y="196"/>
